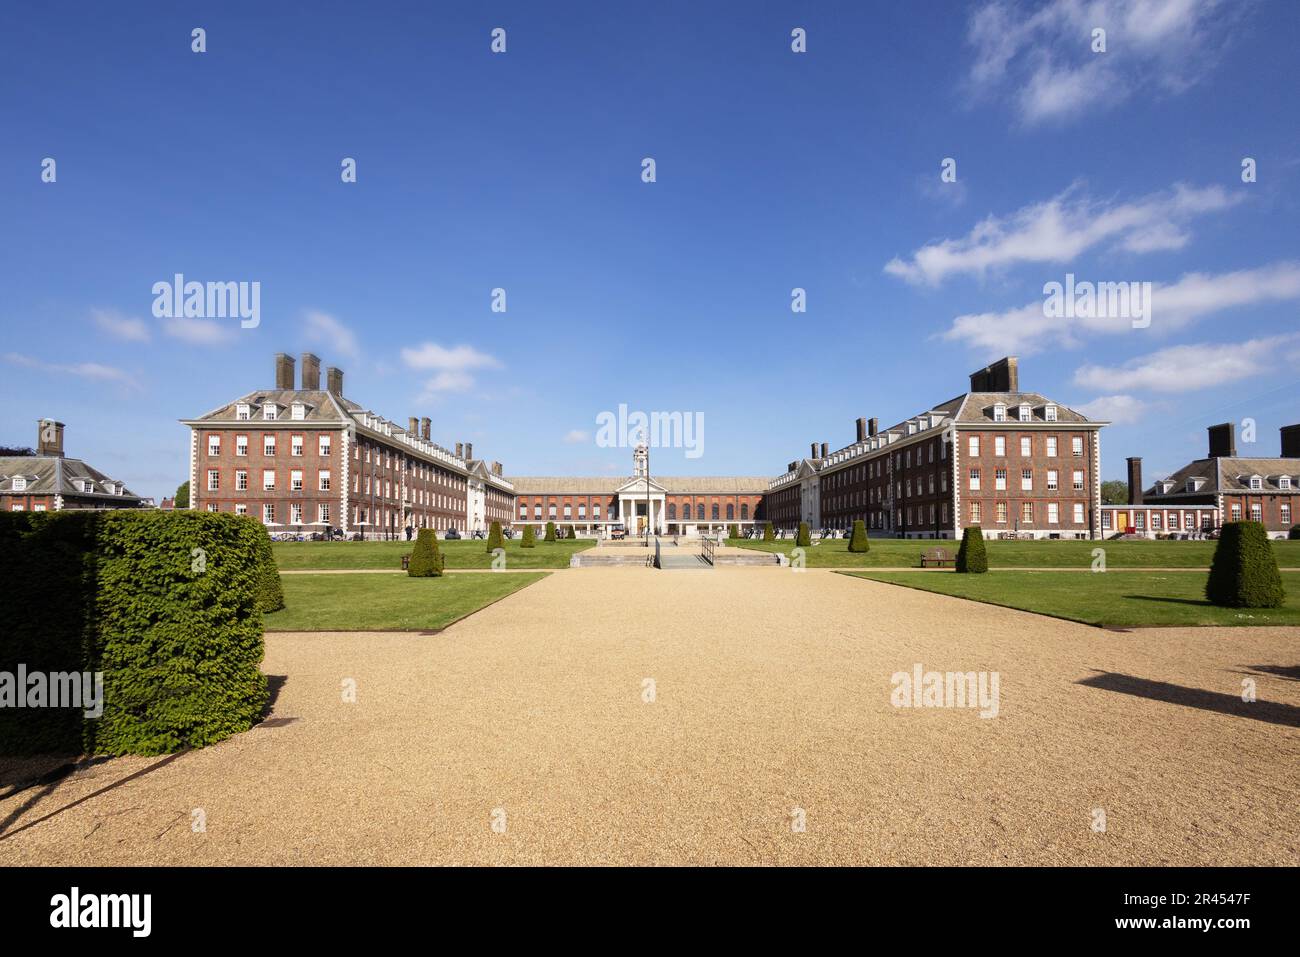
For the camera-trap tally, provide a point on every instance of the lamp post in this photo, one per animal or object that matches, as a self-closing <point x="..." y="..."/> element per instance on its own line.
<point x="647" y="494"/>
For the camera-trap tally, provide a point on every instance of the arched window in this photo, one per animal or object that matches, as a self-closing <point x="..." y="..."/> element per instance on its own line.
<point x="672" y="511"/>
<point x="744" y="511"/>
<point x="715" y="511"/>
<point x="699" y="512"/>
<point x="731" y="512"/>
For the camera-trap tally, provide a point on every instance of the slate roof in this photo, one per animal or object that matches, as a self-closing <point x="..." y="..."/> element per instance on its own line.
<point x="54" y="475"/>
<point x="1230" y="475"/>
<point x="606" y="485"/>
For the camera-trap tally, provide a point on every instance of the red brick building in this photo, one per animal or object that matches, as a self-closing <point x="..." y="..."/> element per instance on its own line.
<point x="47" y="480"/>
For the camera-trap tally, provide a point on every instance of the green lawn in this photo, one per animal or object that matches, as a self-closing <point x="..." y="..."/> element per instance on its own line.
<point x="902" y="553"/>
<point x="388" y="602"/>
<point x="293" y="556"/>
<point x="1120" y="598"/>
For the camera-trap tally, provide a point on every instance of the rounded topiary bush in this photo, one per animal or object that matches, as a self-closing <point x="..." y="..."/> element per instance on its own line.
<point x="494" y="537"/>
<point x="530" y="538"/>
<point x="1244" y="571"/>
<point x="550" y="531"/>
<point x="971" y="556"/>
<point x="858" y="541"/>
<point x="769" y="534"/>
<point x="804" y="538"/>
<point x="426" y="557"/>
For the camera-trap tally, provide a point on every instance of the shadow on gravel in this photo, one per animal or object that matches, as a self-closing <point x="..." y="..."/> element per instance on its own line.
<point x="1270" y="711"/>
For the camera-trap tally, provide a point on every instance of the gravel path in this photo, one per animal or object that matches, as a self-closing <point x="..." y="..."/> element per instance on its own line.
<point x="772" y="694"/>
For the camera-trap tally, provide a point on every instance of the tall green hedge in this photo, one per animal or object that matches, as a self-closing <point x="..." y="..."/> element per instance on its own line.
<point x="426" y="558"/>
<point x="550" y="531"/>
<point x="1294" y="534"/>
<point x="1244" y="571"/>
<point x="530" y="537"/>
<point x="164" y="604"/>
<point x="971" y="556"/>
<point x="858" y="541"/>
<point x="769" y="534"/>
<point x="804" y="536"/>
<point x="270" y="592"/>
<point x="494" y="537"/>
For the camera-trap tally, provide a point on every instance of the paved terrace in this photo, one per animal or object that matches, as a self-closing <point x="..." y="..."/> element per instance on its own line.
<point x="772" y="693"/>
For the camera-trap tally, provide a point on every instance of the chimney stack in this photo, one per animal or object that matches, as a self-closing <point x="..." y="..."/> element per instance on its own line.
<point x="873" y="426"/>
<point x="1223" y="441"/>
<point x="49" y="438"/>
<point x="413" y="427"/>
<point x="496" y="468"/>
<point x="1135" y="481"/>
<point x="813" y="453"/>
<point x="825" y="450"/>
<point x="311" y="372"/>
<point x="334" y="381"/>
<point x="424" y="429"/>
<point x="862" y="430"/>
<point x="469" y="451"/>
<point x="1000" y="376"/>
<point x="283" y="372"/>
<point x="460" y="450"/>
<point x="1290" y="441"/>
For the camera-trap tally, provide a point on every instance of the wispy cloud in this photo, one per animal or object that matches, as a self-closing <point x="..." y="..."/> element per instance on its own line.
<point x="124" y="328"/>
<point x="329" y="333"/>
<point x="199" y="332"/>
<point x="576" y="437"/>
<point x="1188" y="368"/>
<point x="1063" y="227"/>
<point x="1042" y="58"/>
<point x="452" y="366"/>
<point x="91" y="371"/>
<point x="1117" y="409"/>
<point x="1025" y="329"/>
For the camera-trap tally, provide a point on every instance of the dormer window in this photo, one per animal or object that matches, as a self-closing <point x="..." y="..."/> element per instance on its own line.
<point x="242" y="411"/>
<point x="299" y="411"/>
<point x="1256" y="483"/>
<point x="87" y="485"/>
<point x="1049" y="413"/>
<point x="1026" y="412"/>
<point x="268" y="410"/>
<point x="20" y="484"/>
<point x="999" y="413"/>
<point x="1165" y="487"/>
<point x="1194" y="484"/>
<point x="1284" y="481"/>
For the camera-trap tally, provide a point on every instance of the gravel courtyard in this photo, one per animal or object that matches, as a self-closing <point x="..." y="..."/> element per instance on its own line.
<point x="771" y="709"/>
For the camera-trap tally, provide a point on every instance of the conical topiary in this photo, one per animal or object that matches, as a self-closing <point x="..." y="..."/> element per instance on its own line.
<point x="1244" y="571"/>
<point x="735" y="531"/>
<point x="270" y="593"/>
<point x="426" y="558"/>
<point x="804" y="538"/>
<point x="569" y="532"/>
<point x="769" y="534"/>
<point x="971" y="557"/>
<point x="858" y="541"/>
<point x="494" y="537"/>
<point x="530" y="538"/>
<point x="550" y="531"/>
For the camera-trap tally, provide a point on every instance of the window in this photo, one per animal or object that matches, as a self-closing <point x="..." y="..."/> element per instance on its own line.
<point x="1078" y="480"/>
<point x="295" y="480"/>
<point x="241" y="509"/>
<point x="1049" y="413"/>
<point x="550" y="511"/>
<point x="699" y="512"/>
<point x="212" y="507"/>
<point x="20" y="483"/>
<point x="1001" y="509"/>
<point x="568" y="511"/>
<point x="1140" y="521"/>
<point x="1076" y="446"/>
<point x="1053" y="513"/>
<point x="1155" y="520"/>
<point x="974" y="513"/>
<point x="1000" y="480"/>
<point x="1027" y="513"/>
<point x="1026" y="413"/>
<point x="295" y="445"/>
<point x="1105" y="520"/>
<point x="731" y="512"/>
<point x="744" y="511"/>
<point x="323" y="511"/>
<point x="325" y="446"/>
<point x="268" y="445"/>
<point x="295" y="513"/>
<point x="974" y="480"/>
<point x="1256" y="483"/>
<point x="242" y="411"/>
<point x="15" y="508"/>
<point x="537" y="512"/>
<point x="523" y="511"/>
<point x="582" y="511"/>
<point x="1236" y="513"/>
<point x="1026" y="446"/>
<point x="1286" y="513"/>
<point x="1078" y="513"/>
<point x="713" y="512"/>
<point x="595" y="511"/>
<point x="1284" y="481"/>
<point x="1051" y="480"/>
<point x="241" y="480"/>
<point x="999" y="413"/>
<point x="324" y="479"/>
<point x="214" y="480"/>
<point x="268" y="479"/>
<point x="241" y="445"/>
<point x="1051" y="446"/>
<point x="268" y="410"/>
<point x="299" y="411"/>
<point x="214" y="445"/>
<point x="1256" y="512"/>
<point x="1026" y="480"/>
<point x="268" y="513"/>
<point x="973" y="446"/>
<point x="999" y="445"/>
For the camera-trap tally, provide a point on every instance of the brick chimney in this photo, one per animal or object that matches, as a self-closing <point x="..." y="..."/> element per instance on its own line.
<point x="496" y="468"/>
<point x="469" y="450"/>
<point x="1223" y="442"/>
<point x="825" y="450"/>
<point x="813" y="453"/>
<point x="49" y="438"/>
<point x="1000" y="376"/>
<point x="1135" y="481"/>
<point x="311" y="372"/>
<point x="873" y="426"/>
<point x="424" y="428"/>
<point x="413" y="427"/>
<point x="460" y="450"/>
<point x="1290" y="441"/>
<point x="862" y="430"/>
<point x="283" y="372"/>
<point x="334" y="381"/>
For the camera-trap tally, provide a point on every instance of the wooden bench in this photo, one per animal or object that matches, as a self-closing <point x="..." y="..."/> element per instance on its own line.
<point x="406" y="563"/>
<point x="938" y="557"/>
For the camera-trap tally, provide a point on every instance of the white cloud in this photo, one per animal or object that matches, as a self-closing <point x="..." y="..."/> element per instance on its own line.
<point x="576" y="436"/>
<point x="1025" y="330"/>
<point x="1188" y="368"/>
<point x="1116" y="409"/>
<point x="451" y="365"/>
<point x="199" y="332"/>
<point x="121" y="327"/>
<point x="1063" y="227"/>
<point x="323" y="330"/>
<point x="1043" y="60"/>
<point x="450" y="382"/>
<point x="92" y="371"/>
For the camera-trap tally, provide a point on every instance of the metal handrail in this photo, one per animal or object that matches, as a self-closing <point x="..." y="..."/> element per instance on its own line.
<point x="658" y="563"/>
<point x="706" y="549"/>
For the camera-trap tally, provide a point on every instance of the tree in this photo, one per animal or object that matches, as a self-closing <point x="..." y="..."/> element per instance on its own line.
<point x="1244" y="571"/>
<point x="1114" y="492"/>
<point x="735" y="531"/>
<point x="971" y="557"/>
<point x="769" y="534"/>
<point x="858" y="541"/>
<point x="494" y="537"/>
<point x="530" y="538"/>
<point x="804" y="538"/>
<point x="550" y="531"/>
<point x="426" y="559"/>
<point x="183" y="495"/>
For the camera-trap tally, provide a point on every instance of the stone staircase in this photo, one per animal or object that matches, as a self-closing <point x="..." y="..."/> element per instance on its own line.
<point x="603" y="558"/>
<point x="753" y="558"/>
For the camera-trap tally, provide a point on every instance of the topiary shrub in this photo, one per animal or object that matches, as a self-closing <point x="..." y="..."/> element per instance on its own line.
<point x="494" y="537"/>
<point x="270" y="592"/>
<point x="550" y="531"/>
<point x="804" y="538"/>
<point x="971" y="556"/>
<point x="1294" y="534"/>
<point x="530" y="538"/>
<point x="858" y="541"/>
<point x="1244" y="571"/>
<point x="769" y="534"/>
<point x="569" y="532"/>
<point x="735" y="531"/>
<point x="426" y="558"/>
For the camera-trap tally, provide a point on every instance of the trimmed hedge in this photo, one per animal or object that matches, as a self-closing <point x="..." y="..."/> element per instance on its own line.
<point x="769" y="534"/>
<point x="570" y="532"/>
<point x="735" y="531"/>
<point x="164" y="604"/>
<point x="494" y="537"/>
<point x="550" y="531"/>
<point x="530" y="538"/>
<point x="858" y="541"/>
<point x="804" y="536"/>
<point x="1244" y="571"/>
<point x="270" y="593"/>
<point x="426" y="558"/>
<point x="971" y="556"/>
<point x="1294" y="534"/>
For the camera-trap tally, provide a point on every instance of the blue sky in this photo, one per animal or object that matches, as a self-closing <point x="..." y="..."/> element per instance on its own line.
<point x="522" y="170"/>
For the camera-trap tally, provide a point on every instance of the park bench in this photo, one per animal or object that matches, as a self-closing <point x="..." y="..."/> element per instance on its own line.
<point x="938" y="557"/>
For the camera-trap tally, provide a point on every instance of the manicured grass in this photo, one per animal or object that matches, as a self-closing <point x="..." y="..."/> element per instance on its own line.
<point x="903" y="553"/>
<point x="473" y="553"/>
<point x="388" y="602"/>
<point x="1133" y="599"/>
